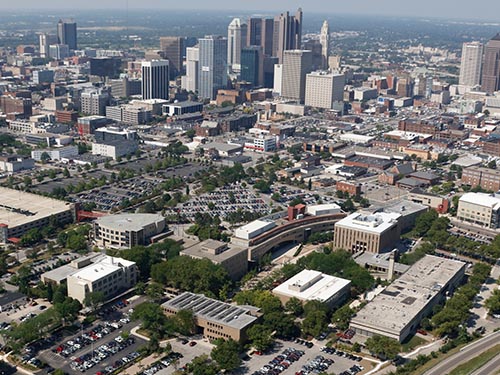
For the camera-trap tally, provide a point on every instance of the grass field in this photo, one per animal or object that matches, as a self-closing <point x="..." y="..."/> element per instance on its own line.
<point x="477" y="362"/>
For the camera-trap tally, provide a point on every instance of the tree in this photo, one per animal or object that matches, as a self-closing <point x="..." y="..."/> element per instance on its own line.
<point x="492" y="164"/>
<point x="260" y="337"/>
<point x="45" y="157"/>
<point x="151" y="316"/>
<point x="94" y="300"/>
<point x="309" y="184"/>
<point x="294" y="306"/>
<point x="493" y="302"/>
<point x="226" y="354"/>
<point x="383" y="347"/>
<point x="184" y="322"/>
<point x="155" y="292"/>
<point x="27" y="181"/>
<point x="342" y="316"/>
<point x="315" y="322"/>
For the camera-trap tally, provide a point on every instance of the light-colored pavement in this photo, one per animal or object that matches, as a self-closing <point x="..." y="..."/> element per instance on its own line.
<point x="465" y="354"/>
<point x="479" y="314"/>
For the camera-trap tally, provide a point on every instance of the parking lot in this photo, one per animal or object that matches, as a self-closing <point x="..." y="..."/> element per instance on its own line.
<point x="226" y="200"/>
<point x="314" y="360"/>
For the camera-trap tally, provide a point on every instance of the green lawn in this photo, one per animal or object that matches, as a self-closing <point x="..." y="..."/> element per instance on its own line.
<point x="412" y="343"/>
<point x="477" y="362"/>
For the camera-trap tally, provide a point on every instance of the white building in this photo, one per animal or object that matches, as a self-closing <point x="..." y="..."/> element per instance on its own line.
<point x="128" y="114"/>
<point x="253" y="229"/>
<point x="262" y="144"/>
<point x="108" y="275"/>
<point x="471" y="64"/>
<point x="324" y="90"/>
<point x="94" y="101"/>
<point x="236" y="40"/>
<point x="323" y="209"/>
<point x="190" y="80"/>
<point x="479" y="209"/>
<point x="365" y="93"/>
<point x="67" y="152"/>
<point x="278" y="79"/>
<point x="310" y="285"/>
<point x="115" y="149"/>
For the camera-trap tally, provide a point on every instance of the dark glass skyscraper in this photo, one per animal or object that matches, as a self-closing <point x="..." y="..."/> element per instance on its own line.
<point x="491" y="65"/>
<point x="172" y="49"/>
<point x="251" y="65"/>
<point x="66" y="33"/>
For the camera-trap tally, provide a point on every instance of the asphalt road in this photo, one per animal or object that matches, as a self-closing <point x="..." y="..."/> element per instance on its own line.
<point x="469" y="352"/>
<point x="492" y="367"/>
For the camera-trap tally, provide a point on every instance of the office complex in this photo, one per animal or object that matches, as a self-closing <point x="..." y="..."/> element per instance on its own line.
<point x="217" y="319"/>
<point x="374" y="233"/>
<point x="172" y="49"/>
<point x="490" y="80"/>
<point x="45" y="40"/>
<point x="94" y="102"/>
<point x="260" y="33"/>
<point x="190" y="81"/>
<point x="399" y="309"/>
<point x="127" y="230"/>
<point x="471" y="64"/>
<point x="236" y="40"/>
<point x="296" y="65"/>
<point x="105" y="274"/>
<point x="252" y="65"/>
<point x="479" y="209"/>
<point x="324" y="39"/>
<point x="66" y="33"/>
<point x="21" y="211"/>
<point x="212" y="66"/>
<point x="324" y="90"/>
<point x="287" y="33"/>
<point x="309" y="285"/>
<point x="155" y="79"/>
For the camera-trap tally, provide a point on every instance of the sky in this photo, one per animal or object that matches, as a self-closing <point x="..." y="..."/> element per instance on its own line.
<point x="465" y="9"/>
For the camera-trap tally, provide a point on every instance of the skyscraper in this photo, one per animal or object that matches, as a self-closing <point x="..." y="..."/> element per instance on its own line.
<point x="471" y="64"/>
<point x="66" y="33"/>
<point x="324" y="90"/>
<point x="191" y="80"/>
<point x="324" y="39"/>
<point x="252" y="65"/>
<point x="260" y="33"/>
<point x="491" y="66"/>
<point x="212" y="66"/>
<point x="172" y="49"/>
<point x="296" y="65"/>
<point x="236" y="40"/>
<point x="45" y="41"/>
<point x="155" y="78"/>
<point x="287" y="33"/>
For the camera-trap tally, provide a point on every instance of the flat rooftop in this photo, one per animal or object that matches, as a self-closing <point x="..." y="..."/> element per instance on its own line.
<point x="216" y="251"/>
<point x="19" y="208"/>
<point x="481" y="199"/>
<point x="394" y="308"/>
<point x="102" y="267"/>
<point x="379" y="260"/>
<point x="129" y="222"/>
<point x="372" y="223"/>
<point x="234" y="316"/>
<point x="312" y="285"/>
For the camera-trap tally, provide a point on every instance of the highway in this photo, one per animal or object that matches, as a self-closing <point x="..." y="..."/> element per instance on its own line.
<point x="492" y="367"/>
<point x="468" y="352"/>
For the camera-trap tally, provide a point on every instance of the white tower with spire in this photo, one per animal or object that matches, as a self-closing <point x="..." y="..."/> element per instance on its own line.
<point x="325" y="44"/>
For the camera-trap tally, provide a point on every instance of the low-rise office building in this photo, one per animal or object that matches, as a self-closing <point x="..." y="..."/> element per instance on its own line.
<point x="128" y="230"/>
<point x="181" y="108"/>
<point x="15" y="163"/>
<point x="486" y="178"/>
<point x="108" y="275"/>
<point x="398" y="310"/>
<point x="59" y="153"/>
<point x="232" y="258"/>
<point x="115" y="149"/>
<point x="21" y="211"/>
<point x="214" y="318"/>
<point x="374" y="233"/>
<point x="309" y="285"/>
<point x="479" y="209"/>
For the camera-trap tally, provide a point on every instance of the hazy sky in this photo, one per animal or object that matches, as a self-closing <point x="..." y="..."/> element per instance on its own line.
<point x="480" y="9"/>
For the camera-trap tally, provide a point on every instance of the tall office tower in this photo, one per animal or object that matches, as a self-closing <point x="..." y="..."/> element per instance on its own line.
<point x="324" y="90"/>
<point x="191" y="80"/>
<point x="268" y="68"/>
<point x="155" y="79"/>
<point x="324" y="39"/>
<point x="252" y="65"/>
<point x="172" y="49"/>
<point x="236" y="40"/>
<point x="260" y="33"/>
<point x="66" y="33"/>
<point x="287" y="33"/>
<point x="471" y="64"/>
<point x="45" y="41"/>
<point x="317" y="53"/>
<point x="296" y="65"/>
<point x="212" y="66"/>
<point x="490" y="79"/>
<point x="58" y="51"/>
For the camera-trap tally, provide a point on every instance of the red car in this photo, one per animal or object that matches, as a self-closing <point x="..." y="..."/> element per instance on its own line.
<point x="192" y="343"/>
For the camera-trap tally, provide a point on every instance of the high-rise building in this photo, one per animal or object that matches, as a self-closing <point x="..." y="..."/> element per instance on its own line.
<point x="172" y="49"/>
<point x="278" y="79"/>
<point x="324" y="90"/>
<point x="268" y="68"/>
<point x="490" y="79"/>
<point x="190" y="81"/>
<point x="260" y="33"/>
<point x="296" y="65"/>
<point x="94" y="102"/>
<point x="236" y="40"/>
<point x="287" y="33"/>
<point x="324" y="39"/>
<point x="252" y="65"/>
<point x="45" y="41"/>
<point x="66" y="33"/>
<point x="471" y="64"/>
<point x="105" y="67"/>
<point x="317" y="53"/>
<point x="212" y="66"/>
<point x="155" y="79"/>
<point x="58" y="51"/>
